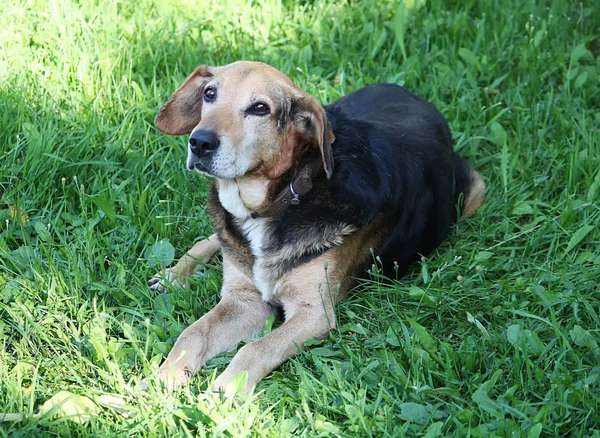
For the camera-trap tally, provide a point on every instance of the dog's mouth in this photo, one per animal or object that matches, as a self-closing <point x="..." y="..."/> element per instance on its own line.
<point x="197" y="166"/>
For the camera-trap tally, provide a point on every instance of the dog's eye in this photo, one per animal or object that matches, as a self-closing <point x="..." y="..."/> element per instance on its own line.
<point x="259" y="109"/>
<point x="209" y="94"/>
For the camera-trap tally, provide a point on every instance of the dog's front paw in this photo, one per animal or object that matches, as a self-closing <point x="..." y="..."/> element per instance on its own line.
<point x="185" y="359"/>
<point x="174" y="375"/>
<point x="168" y="276"/>
<point x="170" y="376"/>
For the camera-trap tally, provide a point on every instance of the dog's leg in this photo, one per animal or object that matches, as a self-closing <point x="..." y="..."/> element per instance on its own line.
<point x="308" y="294"/>
<point x="475" y="194"/>
<point x="202" y="252"/>
<point x="239" y="315"/>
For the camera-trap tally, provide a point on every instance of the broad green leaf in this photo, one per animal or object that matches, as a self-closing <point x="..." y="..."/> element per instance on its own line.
<point x="535" y="431"/>
<point x="161" y="253"/>
<point x="583" y="338"/>
<point x="23" y="257"/>
<point x="594" y="188"/>
<point x="105" y="205"/>
<point x="482" y="395"/>
<point x="414" y="412"/>
<point x="468" y="56"/>
<point x="498" y="136"/>
<point x="42" y="232"/>
<point x="424" y="338"/>
<point x="522" y="208"/>
<point x="514" y="333"/>
<point x="434" y="430"/>
<point x="237" y="385"/>
<point x="78" y="408"/>
<point x="164" y="304"/>
<point x="585" y="257"/>
<point x="524" y="340"/>
<point x="392" y="338"/>
<point x="98" y="341"/>
<point x="324" y="352"/>
<point x="482" y="256"/>
<point x="268" y="325"/>
<point x="420" y="294"/>
<point x="539" y="35"/>
<point x="580" y="51"/>
<point x="581" y="79"/>
<point x="321" y="425"/>
<point x="578" y="237"/>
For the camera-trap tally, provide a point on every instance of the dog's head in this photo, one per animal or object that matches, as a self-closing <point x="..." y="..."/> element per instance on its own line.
<point x="245" y="118"/>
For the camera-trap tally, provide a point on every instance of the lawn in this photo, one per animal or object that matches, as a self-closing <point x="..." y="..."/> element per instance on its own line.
<point x="495" y="334"/>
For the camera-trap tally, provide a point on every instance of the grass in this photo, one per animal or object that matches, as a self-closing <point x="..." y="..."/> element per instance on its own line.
<point x="496" y="334"/>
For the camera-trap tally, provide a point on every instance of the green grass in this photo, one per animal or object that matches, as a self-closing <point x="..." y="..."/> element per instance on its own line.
<point x="496" y="334"/>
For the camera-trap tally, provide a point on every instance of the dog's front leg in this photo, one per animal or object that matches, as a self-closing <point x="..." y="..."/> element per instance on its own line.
<point x="202" y="252"/>
<point x="241" y="314"/>
<point x="308" y="295"/>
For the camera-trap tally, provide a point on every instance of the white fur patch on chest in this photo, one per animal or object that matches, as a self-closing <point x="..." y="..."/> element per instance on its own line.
<point x="229" y="196"/>
<point x="255" y="230"/>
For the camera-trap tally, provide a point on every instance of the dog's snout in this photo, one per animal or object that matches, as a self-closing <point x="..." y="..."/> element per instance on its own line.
<point x="203" y="143"/>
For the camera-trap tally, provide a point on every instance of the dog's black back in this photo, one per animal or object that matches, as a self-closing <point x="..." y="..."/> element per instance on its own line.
<point x="407" y="168"/>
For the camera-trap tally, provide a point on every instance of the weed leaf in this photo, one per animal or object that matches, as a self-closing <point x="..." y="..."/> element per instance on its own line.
<point x="324" y="352"/>
<point x="424" y="338"/>
<point x="583" y="338"/>
<point x="434" y="430"/>
<point x="524" y="340"/>
<point x="482" y="256"/>
<point x="77" y="408"/>
<point x="535" y="431"/>
<point x="42" y="232"/>
<point x="468" y="56"/>
<point x="578" y="236"/>
<point x="414" y="412"/>
<point x="161" y="253"/>
<point x="107" y="207"/>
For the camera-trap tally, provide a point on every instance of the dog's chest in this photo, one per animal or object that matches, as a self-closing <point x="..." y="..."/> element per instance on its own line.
<point x="256" y="231"/>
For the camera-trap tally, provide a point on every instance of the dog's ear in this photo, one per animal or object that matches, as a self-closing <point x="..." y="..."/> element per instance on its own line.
<point x="183" y="111"/>
<point x="310" y="118"/>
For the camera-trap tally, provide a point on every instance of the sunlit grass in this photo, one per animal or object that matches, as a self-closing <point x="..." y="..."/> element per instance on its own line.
<point x="495" y="333"/>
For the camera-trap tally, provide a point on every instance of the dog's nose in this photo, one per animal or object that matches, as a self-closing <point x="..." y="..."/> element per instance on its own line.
<point x="203" y="143"/>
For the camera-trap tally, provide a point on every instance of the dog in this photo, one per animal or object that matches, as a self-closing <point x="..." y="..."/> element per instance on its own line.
<point x="303" y="197"/>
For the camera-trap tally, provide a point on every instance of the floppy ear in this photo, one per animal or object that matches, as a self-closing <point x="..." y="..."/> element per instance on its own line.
<point x="183" y="111"/>
<point x="310" y="117"/>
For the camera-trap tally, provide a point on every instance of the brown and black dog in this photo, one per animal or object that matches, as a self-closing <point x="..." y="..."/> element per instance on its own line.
<point x="302" y="196"/>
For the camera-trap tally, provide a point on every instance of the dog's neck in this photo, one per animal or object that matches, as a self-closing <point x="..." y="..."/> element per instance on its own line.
<point x="244" y="196"/>
<point x="258" y="196"/>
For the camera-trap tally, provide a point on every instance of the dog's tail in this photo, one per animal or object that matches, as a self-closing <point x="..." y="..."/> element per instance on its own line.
<point x="470" y="184"/>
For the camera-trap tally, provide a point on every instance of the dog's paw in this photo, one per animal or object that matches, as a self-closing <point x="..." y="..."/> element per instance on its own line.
<point x="169" y="276"/>
<point x="184" y="360"/>
<point x="173" y="376"/>
<point x="170" y="376"/>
